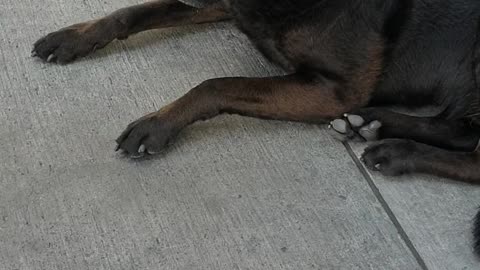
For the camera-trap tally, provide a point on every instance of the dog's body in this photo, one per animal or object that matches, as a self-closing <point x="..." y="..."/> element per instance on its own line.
<point x="343" y="56"/>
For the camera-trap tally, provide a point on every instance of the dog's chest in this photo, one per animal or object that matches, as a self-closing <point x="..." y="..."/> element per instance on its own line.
<point x="264" y="22"/>
<point x="268" y="22"/>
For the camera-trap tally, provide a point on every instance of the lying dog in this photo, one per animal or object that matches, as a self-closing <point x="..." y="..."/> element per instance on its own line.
<point x="343" y="56"/>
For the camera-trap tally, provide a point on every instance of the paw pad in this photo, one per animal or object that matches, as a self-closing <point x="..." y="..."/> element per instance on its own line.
<point x="354" y="127"/>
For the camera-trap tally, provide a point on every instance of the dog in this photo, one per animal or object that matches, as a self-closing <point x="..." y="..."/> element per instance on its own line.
<point x="347" y="61"/>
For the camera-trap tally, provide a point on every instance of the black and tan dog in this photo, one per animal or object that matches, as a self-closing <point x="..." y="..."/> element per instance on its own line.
<point x="343" y="56"/>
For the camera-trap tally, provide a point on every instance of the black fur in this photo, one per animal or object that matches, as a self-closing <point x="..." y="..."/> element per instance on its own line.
<point x="342" y="56"/>
<point x="428" y="43"/>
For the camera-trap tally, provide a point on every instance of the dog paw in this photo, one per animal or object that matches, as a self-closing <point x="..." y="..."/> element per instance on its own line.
<point x="78" y="40"/>
<point x="391" y="157"/>
<point x="354" y="127"/>
<point x="148" y="135"/>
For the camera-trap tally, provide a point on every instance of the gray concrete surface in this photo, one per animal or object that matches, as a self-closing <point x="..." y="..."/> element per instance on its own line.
<point x="436" y="214"/>
<point x="233" y="193"/>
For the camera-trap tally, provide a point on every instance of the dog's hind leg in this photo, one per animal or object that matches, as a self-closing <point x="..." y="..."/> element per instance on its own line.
<point x="79" y="40"/>
<point x="294" y="97"/>
<point x="395" y="157"/>
<point x="372" y="124"/>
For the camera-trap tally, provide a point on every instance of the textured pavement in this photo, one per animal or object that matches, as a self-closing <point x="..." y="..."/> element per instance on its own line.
<point x="232" y="193"/>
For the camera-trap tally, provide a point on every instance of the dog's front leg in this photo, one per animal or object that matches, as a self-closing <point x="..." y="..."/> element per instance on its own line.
<point x="294" y="98"/>
<point x="78" y="40"/>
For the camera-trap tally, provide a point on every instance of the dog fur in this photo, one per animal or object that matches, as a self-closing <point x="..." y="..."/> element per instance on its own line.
<point x="347" y="61"/>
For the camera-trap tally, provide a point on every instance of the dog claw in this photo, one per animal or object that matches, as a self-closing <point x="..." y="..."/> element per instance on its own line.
<point x="137" y="155"/>
<point x="378" y="167"/>
<point x="142" y="149"/>
<point x="50" y="58"/>
<point x="375" y="125"/>
<point x="153" y="153"/>
<point x="34" y="54"/>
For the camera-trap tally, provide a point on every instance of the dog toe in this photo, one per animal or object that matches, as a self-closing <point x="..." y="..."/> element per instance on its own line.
<point x="355" y="120"/>
<point x="390" y="157"/>
<point x="353" y="127"/>
<point x="339" y="129"/>
<point x="370" y="132"/>
<point x="148" y="135"/>
<point x="340" y="126"/>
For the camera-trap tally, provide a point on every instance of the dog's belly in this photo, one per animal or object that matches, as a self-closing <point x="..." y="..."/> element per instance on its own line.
<point x="432" y="62"/>
<point x="268" y="23"/>
<point x="421" y="76"/>
<point x="264" y="23"/>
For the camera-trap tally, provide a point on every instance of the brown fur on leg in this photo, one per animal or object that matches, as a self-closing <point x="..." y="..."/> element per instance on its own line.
<point x="299" y="97"/>
<point x="166" y="13"/>
<point x="81" y="39"/>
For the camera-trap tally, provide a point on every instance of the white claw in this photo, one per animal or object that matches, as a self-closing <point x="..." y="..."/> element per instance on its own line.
<point x="375" y="125"/>
<point x="153" y="153"/>
<point x="50" y="58"/>
<point x="137" y="156"/>
<point x="378" y="166"/>
<point x="142" y="149"/>
<point x="34" y="54"/>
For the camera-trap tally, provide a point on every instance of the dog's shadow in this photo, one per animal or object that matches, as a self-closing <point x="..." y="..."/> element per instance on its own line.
<point x="143" y="40"/>
<point x="221" y="130"/>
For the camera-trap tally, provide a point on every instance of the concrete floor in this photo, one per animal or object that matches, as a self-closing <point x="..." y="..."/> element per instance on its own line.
<point x="233" y="193"/>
